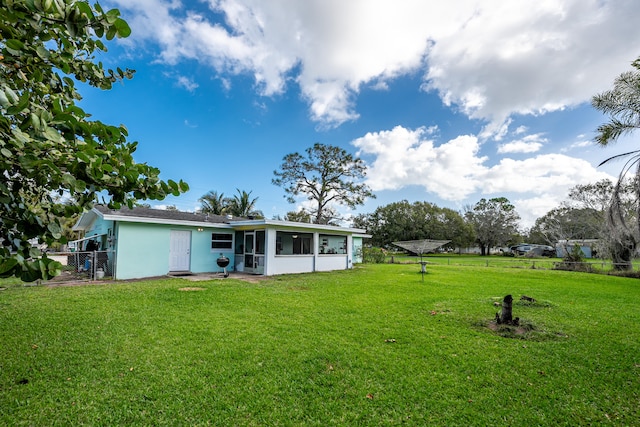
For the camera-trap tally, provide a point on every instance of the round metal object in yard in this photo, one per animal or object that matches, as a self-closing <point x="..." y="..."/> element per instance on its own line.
<point x="222" y="261"/>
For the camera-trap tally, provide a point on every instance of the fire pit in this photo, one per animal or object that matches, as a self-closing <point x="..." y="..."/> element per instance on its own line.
<point x="223" y="262"/>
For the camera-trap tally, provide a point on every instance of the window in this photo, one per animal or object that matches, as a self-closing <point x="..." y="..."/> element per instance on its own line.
<point x="221" y="241"/>
<point x="291" y="243"/>
<point x="331" y="244"/>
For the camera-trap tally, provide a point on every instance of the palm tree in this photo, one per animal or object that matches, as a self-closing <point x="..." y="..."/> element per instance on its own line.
<point x="622" y="105"/>
<point x="213" y="203"/>
<point x="242" y="205"/>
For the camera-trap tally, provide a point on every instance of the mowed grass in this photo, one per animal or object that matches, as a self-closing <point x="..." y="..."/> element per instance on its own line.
<point x="372" y="346"/>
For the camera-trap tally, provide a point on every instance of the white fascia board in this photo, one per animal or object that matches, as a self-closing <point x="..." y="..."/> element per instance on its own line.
<point x="86" y="219"/>
<point x="298" y="226"/>
<point x="124" y="218"/>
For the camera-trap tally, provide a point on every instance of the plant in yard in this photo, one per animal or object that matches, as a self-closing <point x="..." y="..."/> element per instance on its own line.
<point x="622" y="105"/>
<point x="48" y="144"/>
<point x="373" y="255"/>
<point x="327" y="176"/>
<point x="495" y="222"/>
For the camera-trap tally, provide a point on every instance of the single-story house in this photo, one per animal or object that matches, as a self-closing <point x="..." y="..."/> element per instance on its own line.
<point x="143" y="242"/>
<point x="589" y="247"/>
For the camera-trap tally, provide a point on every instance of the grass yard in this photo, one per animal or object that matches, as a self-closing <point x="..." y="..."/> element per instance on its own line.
<point x="371" y="346"/>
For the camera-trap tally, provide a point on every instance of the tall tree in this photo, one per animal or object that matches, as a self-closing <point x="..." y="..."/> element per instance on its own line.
<point x="415" y="221"/>
<point x="243" y="205"/>
<point x="47" y="143"/>
<point x="566" y="223"/>
<point x="495" y="222"/>
<point x="327" y="175"/>
<point x="298" y="216"/>
<point x="213" y="203"/>
<point x="622" y="105"/>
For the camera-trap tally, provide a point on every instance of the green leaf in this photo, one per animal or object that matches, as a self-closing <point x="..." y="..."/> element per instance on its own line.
<point x="42" y="52"/>
<point x="5" y="152"/>
<point x="55" y="230"/>
<point x="85" y="9"/>
<point x="80" y="186"/>
<point x="123" y="28"/>
<point x="31" y="272"/>
<point x="4" y="101"/>
<point x="111" y="33"/>
<point x="12" y="97"/>
<point x="54" y="268"/>
<point x="13" y="44"/>
<point x="69" y="181"/>
<point x="7" y="265"/>
<point x="112" y="16"/>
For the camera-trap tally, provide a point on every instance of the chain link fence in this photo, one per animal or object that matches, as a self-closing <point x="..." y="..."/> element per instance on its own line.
<point x="94" y="265"/>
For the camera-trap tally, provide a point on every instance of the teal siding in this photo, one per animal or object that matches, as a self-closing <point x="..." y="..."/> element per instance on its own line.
<point x="203" y="258"/>
<point x="99" y="226"/>
<point x="143" y="250"/>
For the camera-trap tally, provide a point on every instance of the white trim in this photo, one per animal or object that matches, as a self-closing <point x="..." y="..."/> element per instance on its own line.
<point x="87" y="238"/>
<point x="141" y="219"/>
<point x="299" y="226"/>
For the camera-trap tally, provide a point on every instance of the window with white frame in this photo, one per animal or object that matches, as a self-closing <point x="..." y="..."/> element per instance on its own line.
<point x="221" y="241"/>
<point x="292" y="243"/>
<point x="333" y="244"/>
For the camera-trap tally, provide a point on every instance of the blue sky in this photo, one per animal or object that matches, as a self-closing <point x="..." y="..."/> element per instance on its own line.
<point x="447" y="103"/>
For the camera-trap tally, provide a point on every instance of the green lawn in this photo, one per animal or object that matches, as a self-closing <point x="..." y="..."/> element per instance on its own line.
<point x="371" y="346"/>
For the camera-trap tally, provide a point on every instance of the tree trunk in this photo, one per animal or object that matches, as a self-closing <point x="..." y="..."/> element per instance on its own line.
<point x="506" y="316"/>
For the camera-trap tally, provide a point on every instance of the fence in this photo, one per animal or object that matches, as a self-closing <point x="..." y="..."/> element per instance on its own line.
<point x="93" y="265"/>
<point x="519" y="262"/>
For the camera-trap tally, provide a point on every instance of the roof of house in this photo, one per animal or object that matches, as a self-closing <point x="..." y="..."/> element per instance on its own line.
<point x="153" y="216"/>
<point x="160" y="216"/>
<point x="142" y="212"/>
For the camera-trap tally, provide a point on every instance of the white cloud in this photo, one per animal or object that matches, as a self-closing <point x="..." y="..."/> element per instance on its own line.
<point x="532" y="57"/>
<point x="491" y="59"/>
<point x="404" y="157"/>
<point x="455" y="170"/>
<point x="527" y="144"/>
<point x="186" y="83"/>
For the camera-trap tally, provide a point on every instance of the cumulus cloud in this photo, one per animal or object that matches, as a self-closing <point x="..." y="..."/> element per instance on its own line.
<point x="532" y="57"/>
<point x="455" y="170"/>
<point x="489" y="59"/>
<point x="527" y="144"/>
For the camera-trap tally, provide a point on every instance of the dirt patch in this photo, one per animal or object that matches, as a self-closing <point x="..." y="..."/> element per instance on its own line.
<point x="502" y="329"/>
<point x="525" y="331"/>
<point x="191" y="288"/>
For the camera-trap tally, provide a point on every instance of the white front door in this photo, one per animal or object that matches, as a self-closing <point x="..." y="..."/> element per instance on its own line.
<point x="180" y="251"/>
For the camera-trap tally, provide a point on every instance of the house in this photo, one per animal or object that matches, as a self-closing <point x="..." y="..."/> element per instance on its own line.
<point x="588" y="247"/>
<point x="143" y="242"/>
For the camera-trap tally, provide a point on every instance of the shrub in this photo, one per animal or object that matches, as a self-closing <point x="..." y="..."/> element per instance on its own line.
<point x="373" y="255"/>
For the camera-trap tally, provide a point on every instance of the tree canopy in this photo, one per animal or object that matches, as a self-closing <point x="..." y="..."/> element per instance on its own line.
<point x="622" y="105"/>
<point x="403" y="221"/>
<point x="495" y="222"/>
<point x="213" y="203"/>
<point x="241" y="204"/>
<point x="327" y="175"/>
<point x="48" y="144"/>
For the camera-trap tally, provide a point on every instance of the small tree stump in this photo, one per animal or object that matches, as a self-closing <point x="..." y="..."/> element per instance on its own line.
<point x="506" y="316"/>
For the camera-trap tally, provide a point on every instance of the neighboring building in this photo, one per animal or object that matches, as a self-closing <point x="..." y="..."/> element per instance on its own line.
<point x="143" y="242"/>
<point x="589" y="247"/>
